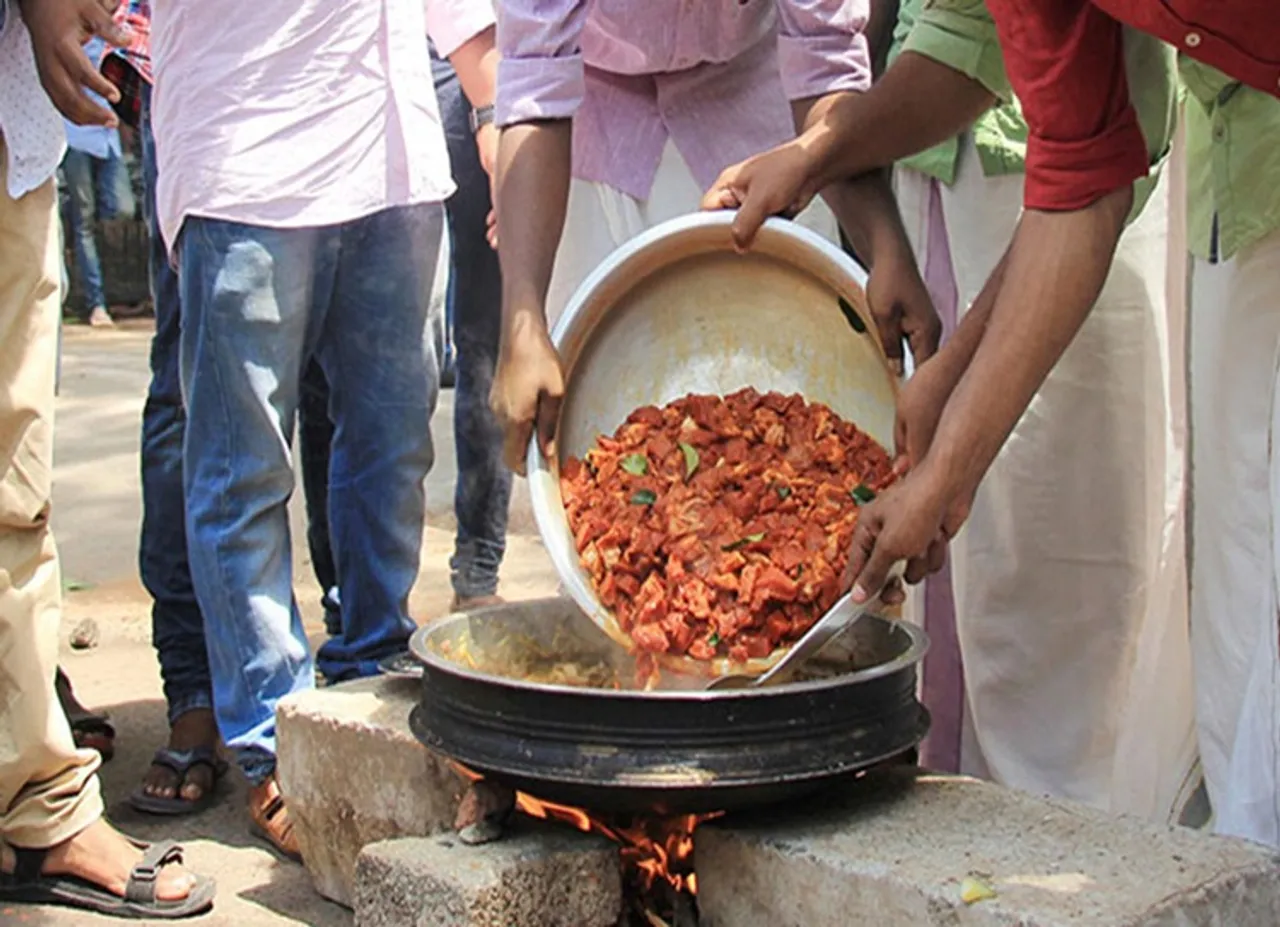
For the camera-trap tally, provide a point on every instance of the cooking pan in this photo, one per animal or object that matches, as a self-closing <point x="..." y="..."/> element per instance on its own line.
<point x="485" y="702"/>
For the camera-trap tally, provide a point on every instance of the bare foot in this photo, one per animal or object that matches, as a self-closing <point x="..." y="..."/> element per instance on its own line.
<point x="192" y="729"/>
<point x="461" y="604"/>
<point x="103" y="856"/>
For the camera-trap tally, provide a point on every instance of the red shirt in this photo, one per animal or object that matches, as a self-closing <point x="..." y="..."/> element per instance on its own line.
<point x="1065" y="60"/>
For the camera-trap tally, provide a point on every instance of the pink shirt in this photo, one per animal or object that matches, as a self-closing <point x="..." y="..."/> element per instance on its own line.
<point x="295" y="113"/>
<point x="715" y="76"/>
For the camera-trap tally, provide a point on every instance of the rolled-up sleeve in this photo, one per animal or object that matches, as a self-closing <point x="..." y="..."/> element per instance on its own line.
<point x="961" y="35"/>
<point x="540" y="72"/>
<point x="1065" y="61"/>
<point x="822" y="46"/>
<point x="451" y="23"/>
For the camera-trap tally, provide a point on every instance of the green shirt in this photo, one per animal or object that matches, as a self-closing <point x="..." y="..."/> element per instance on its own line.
<point x="961" y="35"/>
<point x="1233" y="162"/>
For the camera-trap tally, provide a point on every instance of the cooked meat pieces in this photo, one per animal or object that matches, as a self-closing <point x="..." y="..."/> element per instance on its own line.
<point x="721" y="526"/>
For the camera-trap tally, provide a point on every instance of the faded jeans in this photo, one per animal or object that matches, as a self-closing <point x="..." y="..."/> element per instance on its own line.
<point x="177" y="627"/>
<point x="482" y="497"/>
<point x="258" y="302"/>
<point x="97" y="188"/>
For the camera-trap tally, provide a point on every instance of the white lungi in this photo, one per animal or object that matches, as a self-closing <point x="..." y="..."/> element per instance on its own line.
<point x="1235" y="563"/>
<point x="599" y="219"/>
<point x="1069" y="577"/>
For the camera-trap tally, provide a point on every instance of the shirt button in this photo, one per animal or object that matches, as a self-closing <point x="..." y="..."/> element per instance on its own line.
<point x="1192" y="39"/>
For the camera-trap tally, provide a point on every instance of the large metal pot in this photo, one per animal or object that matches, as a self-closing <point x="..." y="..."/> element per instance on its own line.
<point x="663" y="752"/>
<point x="676" y="310"/>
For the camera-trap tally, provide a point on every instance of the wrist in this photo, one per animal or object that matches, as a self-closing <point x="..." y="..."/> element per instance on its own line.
<point x="522" y="319"/>
<point x="941" y="477"/>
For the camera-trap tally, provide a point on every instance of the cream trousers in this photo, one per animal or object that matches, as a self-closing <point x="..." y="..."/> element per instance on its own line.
<point x="48" y="790"/>
<point x="1235" y="551"/>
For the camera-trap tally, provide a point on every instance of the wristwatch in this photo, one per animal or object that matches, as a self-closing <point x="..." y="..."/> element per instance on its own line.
<point x="481" y="116"/>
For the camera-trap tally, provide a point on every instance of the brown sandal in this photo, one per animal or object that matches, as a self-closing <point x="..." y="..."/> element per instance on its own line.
<point x="269" y="819"/>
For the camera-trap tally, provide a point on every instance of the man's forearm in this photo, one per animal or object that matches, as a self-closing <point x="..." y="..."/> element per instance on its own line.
<point x="534" y="163"/>
<point x="475" y="62"/>
<point x="914" y="106"/>
<point x="864" y="205"/>
<point x="867" y="211"/>
<point x="1052" y="275"/>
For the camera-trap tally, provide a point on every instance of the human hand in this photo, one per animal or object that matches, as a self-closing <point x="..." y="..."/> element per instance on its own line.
<point x="528" y="388"/>
<point x="902" y="307"/>
<point x="913" y="520"/>
<point x="59" y="29"/>
<point x="778" y="182"/>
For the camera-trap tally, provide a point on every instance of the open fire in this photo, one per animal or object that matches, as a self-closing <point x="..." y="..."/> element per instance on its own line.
<point x="659" y="883"/>
<point x="657" y="859"/>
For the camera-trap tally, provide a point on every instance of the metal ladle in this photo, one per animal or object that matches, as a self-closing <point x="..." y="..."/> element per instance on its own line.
<point x="840" y="617"/>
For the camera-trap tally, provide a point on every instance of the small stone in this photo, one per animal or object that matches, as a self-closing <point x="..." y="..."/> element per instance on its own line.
<point x="486" y="831"/>
<point x="86" y="635"/>
<point x="485" y="800"/>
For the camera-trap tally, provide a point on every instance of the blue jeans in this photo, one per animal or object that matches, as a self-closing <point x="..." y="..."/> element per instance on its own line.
<point x="258" y="303"/>
<point x="482" y="497"/>
<point x="177" y="628"/>
<point x="97" y="188"/>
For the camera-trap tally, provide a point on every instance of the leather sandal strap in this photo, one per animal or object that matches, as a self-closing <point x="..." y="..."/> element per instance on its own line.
<point x="141" y="886"/>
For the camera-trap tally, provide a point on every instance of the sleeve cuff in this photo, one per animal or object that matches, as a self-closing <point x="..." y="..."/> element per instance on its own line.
<point x="452" y="25"/>
<point x="815" y="65"/>
<point x="962" y="43"/>
<point x="539" y="88"/>
<point x="1068" y="175"/>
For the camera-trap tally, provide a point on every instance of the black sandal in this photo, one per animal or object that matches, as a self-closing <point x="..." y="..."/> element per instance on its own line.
<point x="90" y="730"/>
<point x="28" y="885"/>
<point x="181" y="762"/>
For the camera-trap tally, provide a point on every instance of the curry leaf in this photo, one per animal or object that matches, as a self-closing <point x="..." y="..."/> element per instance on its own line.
<point x="714" y="639"/>
<point x="635" y="464"/>
<point x="743" y="542"/>
<point x="862" y="494"/>
<point x="644" y="497"/>
<point x="690" y="459"/>
<point x="783" y="491"/>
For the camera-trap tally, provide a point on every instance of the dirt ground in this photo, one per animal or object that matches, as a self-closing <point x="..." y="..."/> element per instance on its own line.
<point x="97" y="512"/>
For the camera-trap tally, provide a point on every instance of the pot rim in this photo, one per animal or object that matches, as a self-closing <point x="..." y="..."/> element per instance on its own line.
<point x="418" y="646"/>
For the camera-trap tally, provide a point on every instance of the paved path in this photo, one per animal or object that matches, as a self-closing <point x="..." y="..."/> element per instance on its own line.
<point x="96" y="517"/>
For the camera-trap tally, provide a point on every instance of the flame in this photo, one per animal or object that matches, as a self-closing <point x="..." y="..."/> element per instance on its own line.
<point x="655" y="848"/>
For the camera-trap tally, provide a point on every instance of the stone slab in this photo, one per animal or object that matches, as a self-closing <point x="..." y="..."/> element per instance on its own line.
<point x="537" y="875"/>
<point x="353" y="774"/>
<point x="897" y="846"/>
